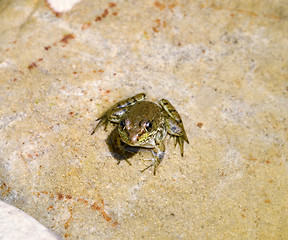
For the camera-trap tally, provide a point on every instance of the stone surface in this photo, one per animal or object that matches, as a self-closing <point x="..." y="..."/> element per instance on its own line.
<point x="15" y="224"/>
<point x="222" y="64"/>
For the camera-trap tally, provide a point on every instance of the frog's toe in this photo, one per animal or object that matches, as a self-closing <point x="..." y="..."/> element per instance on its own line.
<point x="180" y="141"/>
<point x="106" y="125"/>
<point x="102" y="121"/>
<point x="93" y="131"/>
<point x="143" y="170"/>
<point x="153" y="164"/>
<point x="181" y="145"/>
<point x="126" y="160"/>
<point x="185" y="138"/>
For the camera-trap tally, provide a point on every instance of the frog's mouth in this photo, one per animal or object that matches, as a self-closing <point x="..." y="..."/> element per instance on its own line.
<point x="137" y="140"/>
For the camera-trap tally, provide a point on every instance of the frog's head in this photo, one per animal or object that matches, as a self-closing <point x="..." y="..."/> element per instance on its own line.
<point x="139" y="133"/>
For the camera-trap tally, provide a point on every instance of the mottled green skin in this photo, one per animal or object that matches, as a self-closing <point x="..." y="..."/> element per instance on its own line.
<point x="145" y="124"/>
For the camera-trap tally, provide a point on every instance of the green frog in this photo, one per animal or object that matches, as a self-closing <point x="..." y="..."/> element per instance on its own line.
<point x="145" y="124"/>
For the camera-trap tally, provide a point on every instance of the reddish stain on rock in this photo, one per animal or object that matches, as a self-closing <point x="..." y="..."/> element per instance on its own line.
<point x="32" y="65"/>
<point x="66" y="38"/>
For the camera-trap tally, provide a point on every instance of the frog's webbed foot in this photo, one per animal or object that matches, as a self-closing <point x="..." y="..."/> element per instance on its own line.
<point x="174" y="124"/>
<point x="102" y="121"/>
<point x="158" y="154"/>
<point x="180" y="141"/>
<point x="155" y="164"/>
<point x="178" y="133"/>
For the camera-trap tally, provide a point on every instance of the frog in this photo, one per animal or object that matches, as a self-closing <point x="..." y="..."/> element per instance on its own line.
<point x="145" y="124"/>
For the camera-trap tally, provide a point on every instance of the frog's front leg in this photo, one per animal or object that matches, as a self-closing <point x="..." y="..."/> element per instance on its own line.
<point x="158" y="154"/>
<point x="174" y="124"/>
<point x="112" y="115"/>
<point x="115" y="113"/>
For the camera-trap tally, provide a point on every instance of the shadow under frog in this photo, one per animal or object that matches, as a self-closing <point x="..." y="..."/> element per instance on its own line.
<point x="118" y="149"/>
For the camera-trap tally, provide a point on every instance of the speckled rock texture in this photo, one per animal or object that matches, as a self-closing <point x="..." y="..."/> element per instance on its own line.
<point x="222" y="64"/>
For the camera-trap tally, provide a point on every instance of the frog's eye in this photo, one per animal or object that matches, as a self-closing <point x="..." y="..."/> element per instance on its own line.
<point x="122" y="123"/>
<point x="148" y="126"/>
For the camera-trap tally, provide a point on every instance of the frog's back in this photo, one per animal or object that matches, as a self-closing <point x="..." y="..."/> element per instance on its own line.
<point x="145" y="110"/>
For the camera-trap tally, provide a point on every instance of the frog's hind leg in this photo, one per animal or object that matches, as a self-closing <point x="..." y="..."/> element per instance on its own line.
<point x="130" y="101"/>
<point x="115" y="113"/>
<point x="174" y="124"/>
